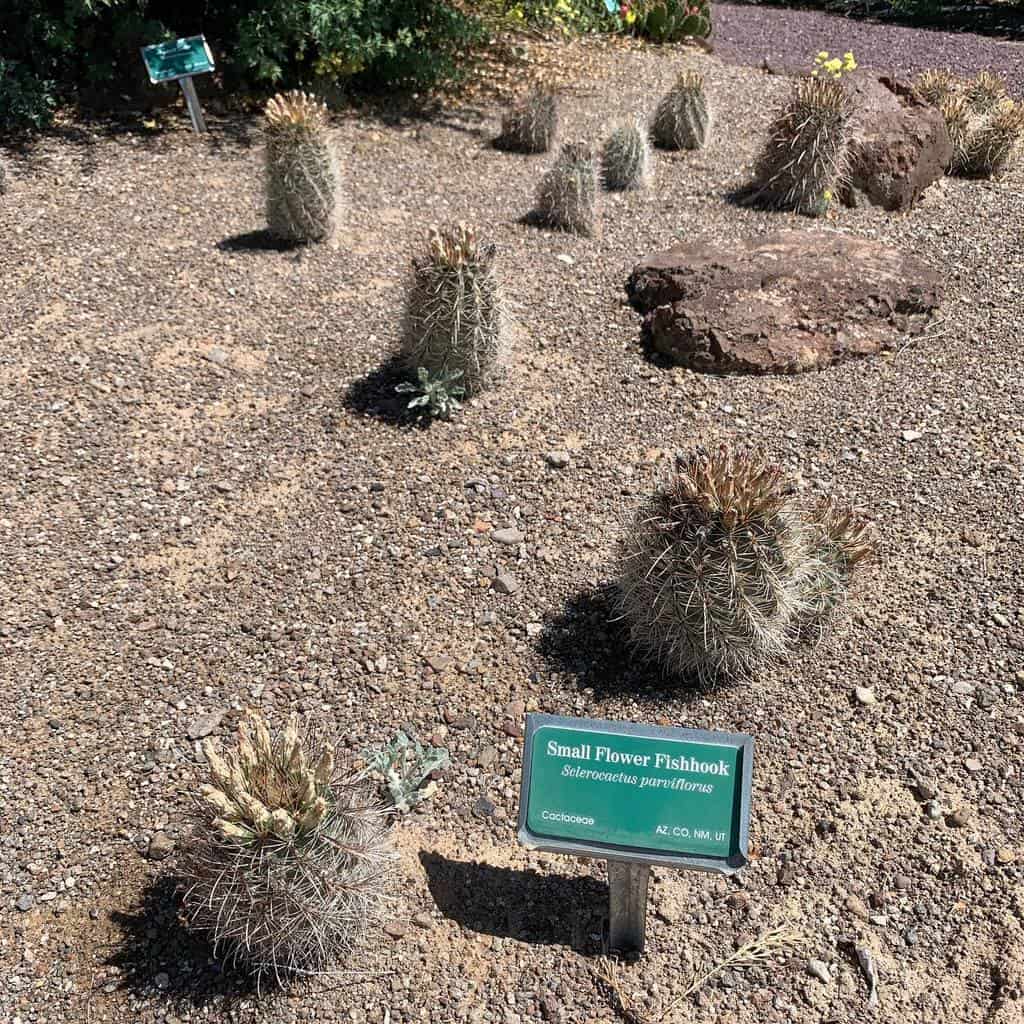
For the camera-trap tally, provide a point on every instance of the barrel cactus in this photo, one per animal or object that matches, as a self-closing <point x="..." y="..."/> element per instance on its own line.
<point x="682" y="119"/>
<point x="530" y="124"/>
<point x="568" y="195"/>
<point x="958" y="123"/>
<point x="985" y="93"/>
<point x="290" y="859"/>
<point x="720" y="573"/>
<point x="806" y="158"/>
<point x="994" y="141"/>
<point x="302" y="177"/>
<point x="455" y="321"/>
<point x="936" y="85"/>
<point x="626" y="157"/>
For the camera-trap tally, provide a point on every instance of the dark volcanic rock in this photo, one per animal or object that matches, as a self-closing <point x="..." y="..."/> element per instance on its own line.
<point x="783" y="303"/>
<point x="898" y="154"/>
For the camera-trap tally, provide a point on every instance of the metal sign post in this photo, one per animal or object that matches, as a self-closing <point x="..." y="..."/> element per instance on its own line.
<point x="635" y="795"/>
<point x="178" y="61"/>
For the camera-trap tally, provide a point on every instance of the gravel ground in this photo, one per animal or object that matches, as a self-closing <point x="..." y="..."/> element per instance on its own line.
<point x="748" y="34"/>
<point x="205" y="505"/>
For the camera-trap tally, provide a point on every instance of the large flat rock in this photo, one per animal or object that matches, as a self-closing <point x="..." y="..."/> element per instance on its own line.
<point x="781" y="303"/>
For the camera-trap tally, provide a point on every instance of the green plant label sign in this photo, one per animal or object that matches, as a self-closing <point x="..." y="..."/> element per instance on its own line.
<point x="178" y="59"/>
<point x="635" y="792"/>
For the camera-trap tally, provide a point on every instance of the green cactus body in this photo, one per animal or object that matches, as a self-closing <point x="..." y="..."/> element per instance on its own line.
<point x="302" y="177"/>
<point x="807" y="154"/>
<point x="683" y="118"/>
<point x="719" y="573"/>
<point x="568" y="194"/>
<point x="455" y="320"/>
<point x="626" y="157"/>
<point x="530" y="125"/>
<point x="289" y="861"/>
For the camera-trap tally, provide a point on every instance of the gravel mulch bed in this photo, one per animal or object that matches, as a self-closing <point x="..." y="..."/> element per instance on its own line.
<point x="206" y="504"/>
<point x="790" y="37"/>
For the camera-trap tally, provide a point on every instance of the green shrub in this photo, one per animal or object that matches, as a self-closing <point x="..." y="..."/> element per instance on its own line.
<point x="668" y="21"/>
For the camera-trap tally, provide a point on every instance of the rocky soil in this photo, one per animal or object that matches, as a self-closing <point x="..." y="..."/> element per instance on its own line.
<point x="208" y="501"/>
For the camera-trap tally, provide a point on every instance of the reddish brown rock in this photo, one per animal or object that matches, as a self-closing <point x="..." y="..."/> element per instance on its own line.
<point x="783" y="303"/>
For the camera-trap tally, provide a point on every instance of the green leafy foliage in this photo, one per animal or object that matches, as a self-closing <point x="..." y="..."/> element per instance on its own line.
<point x="405" y="765"/>
<point x="668" y="21"/>
<point x="437" y="394"/>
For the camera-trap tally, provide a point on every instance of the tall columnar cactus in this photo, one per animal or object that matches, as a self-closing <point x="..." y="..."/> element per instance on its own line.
<point x="994" y="141"/>
<point x="568" y="194"/>
<point x="719" y="573"/>
<point x="683" y="118"/>
<point x="302" y="178"/>
<point x="289" y="860"/>
<point x="530" y="124"/>
<point x="455" y="321"/>
<point x="805" y="160"/>
<point x="626" y="157"/>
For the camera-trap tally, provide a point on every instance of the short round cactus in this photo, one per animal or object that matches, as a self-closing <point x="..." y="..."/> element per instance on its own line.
<point x="568" y="194"/>
<point x="805" y="161"/>
<point x="720" y="574"/>
<point x="683" y="119"/>
<point x="957" y="117"/>
<point x="626" y="157"/>
<point x="985" y="93"/>
<point x="289" y="860"/>
<point x="936" y="85"/>
<point x="302" y="178"/>
<point x="530" y="125"/>
<point x="993" y="142"/>
<point x="455" y="320"/>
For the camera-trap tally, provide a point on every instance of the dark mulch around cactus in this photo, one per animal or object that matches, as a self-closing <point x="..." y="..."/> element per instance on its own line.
<point x="210" y="499"/>
<point x="785" y="37"/>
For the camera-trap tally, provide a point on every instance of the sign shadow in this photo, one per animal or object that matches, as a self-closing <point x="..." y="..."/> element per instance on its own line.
<point x="525" y="905"/>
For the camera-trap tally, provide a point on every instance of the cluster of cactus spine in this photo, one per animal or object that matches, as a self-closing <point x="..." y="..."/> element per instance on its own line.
<point x="289" y="860"/>
<point x="455" y="320"/>
<point x="626" y="157"/>
<point x="720" y="573"/>
<point x="530" y="124"/>
<point x="303" y="184"/>
<point x="568" y="195"/>
<point x="806" y="158"/>
<point x="985" y="126"/>
<point x="682" y="119"/>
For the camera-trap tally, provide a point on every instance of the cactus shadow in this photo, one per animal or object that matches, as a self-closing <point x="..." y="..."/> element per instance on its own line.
<point x="525" y="905"/>
<point x="585" y="641"/>
<point x="257" y="241"/>
<point x="158" y="957"/>
<point x="374" y="395"/>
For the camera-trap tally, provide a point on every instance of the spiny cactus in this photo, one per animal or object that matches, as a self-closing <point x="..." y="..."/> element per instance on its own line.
<point x="806" y="157"/>
<point x="290" y="859"/>
<point x="626" y="157"/>
<point x="985" y="93"/>
<point x="719" y="573"/>
<point x="936" y="85"/>
<point x="302" y="178"/>
<point x="683" y="119"/>
<point x="568" y="195"/>
<point x="957" y="117"/>
<point x="455" y="319"/>
<point x="529" y="126"/>
<point x="992" y="144"/>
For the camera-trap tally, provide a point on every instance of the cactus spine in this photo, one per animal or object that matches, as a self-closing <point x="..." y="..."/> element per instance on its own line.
<point x="992" y="144"/>
<point x="568" y="195"/>
<point x="302" y="178"/>
<point x="719" y="573"/>
<point x="289" y="859"/>
<point x="805" y="160"/>
<point x="455" y="320"/>
<point x="530" y="125"/>
<point x="682" y="119"/>
<point x="626" y="157"/>
<point x="985" y="93"/>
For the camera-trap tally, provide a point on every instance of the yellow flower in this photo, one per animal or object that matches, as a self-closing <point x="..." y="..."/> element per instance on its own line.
<point x="822" y="56"/>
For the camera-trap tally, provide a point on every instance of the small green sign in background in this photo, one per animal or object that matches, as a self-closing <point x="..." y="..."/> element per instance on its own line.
<point x="177" y="59"/>
<point x="670" y="794"/>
